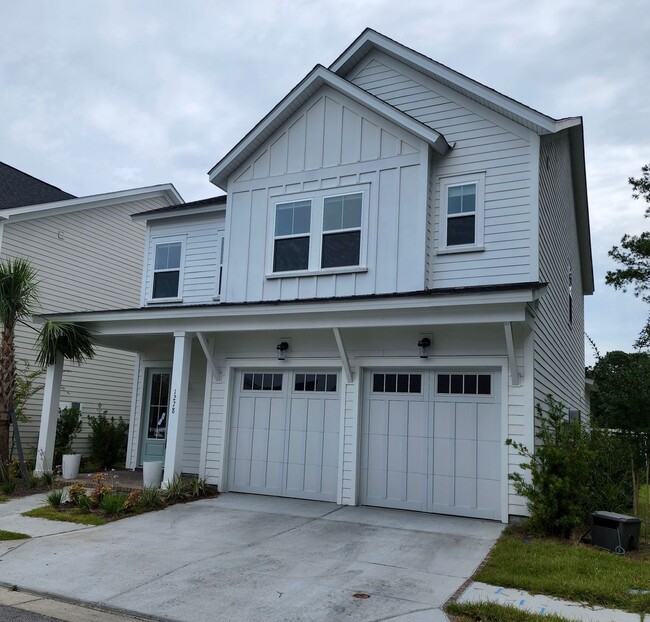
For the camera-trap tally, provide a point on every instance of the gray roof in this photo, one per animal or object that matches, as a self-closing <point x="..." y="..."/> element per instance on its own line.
<point x="18" y="189"/>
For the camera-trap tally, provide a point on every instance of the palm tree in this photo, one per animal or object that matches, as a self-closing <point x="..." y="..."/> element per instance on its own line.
<point x="18" y="295"/>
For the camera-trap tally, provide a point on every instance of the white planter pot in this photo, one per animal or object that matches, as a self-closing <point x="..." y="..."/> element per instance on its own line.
<point x="152" y="474"/>
<point x="71" y="465"/>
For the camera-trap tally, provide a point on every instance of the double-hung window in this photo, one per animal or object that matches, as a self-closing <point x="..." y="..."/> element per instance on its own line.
<point x="341" y="230"/>
<point x="292" y="236"/>
<point x="461" y="222"/>
<point x="322" y="232"/>
<point x="167" y="270"/>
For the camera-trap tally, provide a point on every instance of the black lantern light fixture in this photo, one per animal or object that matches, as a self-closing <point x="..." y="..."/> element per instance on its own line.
<point x="281" y="348"/>
<point x="424" y="344"/>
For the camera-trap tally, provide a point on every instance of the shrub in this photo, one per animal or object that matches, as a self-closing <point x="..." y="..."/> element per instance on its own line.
<point x="55" y="498"/>
<point x="198" y="487"/>
<point x="132" y="500"/>
<point x="47" y="478"/>
<point x="558" y="490"/>
<point x="32" y="481"/>
<point x="150" y="498"/>
<point x="113" y="503"/>
<point x="177" y="490"/>
<point x="8" y="486"/>
<point x="68" y="425"/>
<point x="102" y="488"/>
<point x="108" y="438"/>
<point x="76" y="493"/>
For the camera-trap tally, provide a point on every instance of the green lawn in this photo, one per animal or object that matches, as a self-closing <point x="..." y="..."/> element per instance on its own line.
<point x="491" y="612"/>
<point x="12" y="535"/>
<point x="71" y="516"/>
<point x="569" y="571"/>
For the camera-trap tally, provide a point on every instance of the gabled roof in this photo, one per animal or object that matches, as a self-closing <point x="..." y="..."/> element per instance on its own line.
<point x="183" y="209"/>
<point x="18" y="189"/>
<point x="318" y="77"/>
<point x="370" y="39"/>
<point x="28" y="212"/>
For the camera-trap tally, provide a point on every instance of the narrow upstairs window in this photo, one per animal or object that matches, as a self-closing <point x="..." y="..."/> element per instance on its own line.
<point x="167" y="270"/>
<point x="292" y="233"/>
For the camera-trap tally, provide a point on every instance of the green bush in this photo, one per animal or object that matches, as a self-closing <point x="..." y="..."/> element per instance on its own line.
<point x="8" y="486"/>
<point x="68" y="425"/>
<point x="108" y="439"/>
<point x="558" y="490"/>
<point x="113" y="503"/>
<point x="55" y="498"/>
<point x="150" y="498"/>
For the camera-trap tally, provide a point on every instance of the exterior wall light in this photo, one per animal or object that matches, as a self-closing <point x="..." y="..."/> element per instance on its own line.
<point x="424" y="344"/>
<point x="282" y="347"/>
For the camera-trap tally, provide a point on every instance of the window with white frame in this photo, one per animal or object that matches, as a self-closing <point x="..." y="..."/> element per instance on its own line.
<point x="461" y="223"/>
<point x="167" y="270"/>
<point x="292" y="236"/>
<point x="321" y="232"/>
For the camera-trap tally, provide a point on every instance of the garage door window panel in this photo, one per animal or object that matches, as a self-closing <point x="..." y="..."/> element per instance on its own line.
<point x="464" y="384"/>
<point x="397" y="383"/>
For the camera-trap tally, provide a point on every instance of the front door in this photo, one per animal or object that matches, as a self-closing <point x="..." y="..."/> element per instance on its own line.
<point x="155" y="415"/>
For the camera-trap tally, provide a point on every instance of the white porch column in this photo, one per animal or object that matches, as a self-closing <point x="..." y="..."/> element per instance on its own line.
<point x="177" y="405"/>
<point x="49" y="415"/>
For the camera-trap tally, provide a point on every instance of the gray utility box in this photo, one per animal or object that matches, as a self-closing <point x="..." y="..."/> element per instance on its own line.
<point x="615" y="532"/>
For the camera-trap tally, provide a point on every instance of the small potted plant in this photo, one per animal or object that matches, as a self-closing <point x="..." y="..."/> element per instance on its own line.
<point x="68" y="426"/>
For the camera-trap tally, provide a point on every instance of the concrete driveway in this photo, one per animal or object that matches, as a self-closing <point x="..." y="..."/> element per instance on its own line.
<point x="248" y="557"/>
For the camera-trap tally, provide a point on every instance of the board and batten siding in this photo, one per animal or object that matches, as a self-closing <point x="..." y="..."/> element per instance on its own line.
<point x="483" y="141"/>
<point x="559" y="343"/>
<point x="201" y="237"/>
<point x="331" y="143"/>
<point x="86" y="260"/>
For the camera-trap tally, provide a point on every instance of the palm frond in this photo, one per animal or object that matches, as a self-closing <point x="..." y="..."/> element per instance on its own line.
<point x="75" y="342"/>
<point x="18" y="289"/>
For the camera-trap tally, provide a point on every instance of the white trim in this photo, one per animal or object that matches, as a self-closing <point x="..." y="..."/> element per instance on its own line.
<point x="28" y="212"/>
<point x="505" y="449"/>
<point x="370" y="39"/>
<point x="157" y="241"/>
<point x="183" y="211"/>
<point x="317" y="78"/>
<point x="132" y="417"/>
<point x="212" y="364"/>
<point x="512" y="357"/>
<point x="345" y="361"/>
<point x="446" y="183"/>
<point x="205" y="423"/>
<point x="317" y="199"/>
<point x="228" y="393"/>
<point x="535" y="147"/>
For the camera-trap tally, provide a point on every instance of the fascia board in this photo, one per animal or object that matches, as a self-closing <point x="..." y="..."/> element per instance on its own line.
<point x="193" y="211"/>
<point x="371" y="39"/>
<point x="317" y="78"/>
<point x="475" y="305"/>
<point x="28" y="212"/>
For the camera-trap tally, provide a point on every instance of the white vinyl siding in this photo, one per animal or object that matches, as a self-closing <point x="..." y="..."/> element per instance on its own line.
<point x="483" y="141"/>
<point x="71" y="253"/>
<point x="331" y="146"/>
<point x="559" y="344"/>
<point x="201" y="256"/>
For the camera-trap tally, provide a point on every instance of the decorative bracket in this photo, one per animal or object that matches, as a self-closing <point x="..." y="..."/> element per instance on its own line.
<point x="515" y="376"/>
<point x="344" y="355"/>
<point x="216" y="372"/>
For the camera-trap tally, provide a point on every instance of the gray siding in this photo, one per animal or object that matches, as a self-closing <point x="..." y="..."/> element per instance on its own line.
<point x="559" y="345"/>
<point x="86" y="260"/>
<point x="331" y="143"/>
<point x="483" y="141"/>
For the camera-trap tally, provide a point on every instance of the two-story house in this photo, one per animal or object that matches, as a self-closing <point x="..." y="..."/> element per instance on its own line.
<point x="88" y="255"/>
<point x="392" y="281"/>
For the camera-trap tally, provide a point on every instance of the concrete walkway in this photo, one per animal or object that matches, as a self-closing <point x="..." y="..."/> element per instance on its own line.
<point x="248" y="557"/>
<point x="546" y="605"/>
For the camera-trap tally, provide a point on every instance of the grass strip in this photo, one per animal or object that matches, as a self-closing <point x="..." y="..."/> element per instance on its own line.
<point x="12" y="535"/>
<point x="492" y="612"/>
<point x="2" y="498"/>
<point x="569" y="571"/>
<point x="68" y="516"/>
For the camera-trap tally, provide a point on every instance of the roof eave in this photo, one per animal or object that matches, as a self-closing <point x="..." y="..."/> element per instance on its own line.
<point x="370" y="39"/>
<point x="318" y="77"/>
<point x="181" y="211"/>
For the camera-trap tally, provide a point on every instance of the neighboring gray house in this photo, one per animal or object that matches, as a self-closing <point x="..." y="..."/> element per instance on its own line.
<point x="88" y="253"/>
<point x="393" y="280"/>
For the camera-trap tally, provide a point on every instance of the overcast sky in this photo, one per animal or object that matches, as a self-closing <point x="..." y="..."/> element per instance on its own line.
<point x="104" y="95"/>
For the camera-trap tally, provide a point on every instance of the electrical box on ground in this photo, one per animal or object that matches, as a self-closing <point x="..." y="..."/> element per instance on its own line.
<point x="615" y="532"/>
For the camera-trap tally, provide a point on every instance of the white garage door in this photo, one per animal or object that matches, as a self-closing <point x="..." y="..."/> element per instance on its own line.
<point x="284" y="437"/>
<point x="431" y="441"/>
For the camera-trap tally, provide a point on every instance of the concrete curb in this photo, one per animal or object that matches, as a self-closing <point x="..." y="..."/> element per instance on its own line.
<point x="63" y="609"/>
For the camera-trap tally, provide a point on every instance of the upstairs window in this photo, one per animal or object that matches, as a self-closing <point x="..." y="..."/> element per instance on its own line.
<point x="292" y="233"/>
<point x="461" y="224"/>
<point x="322" y="232"/>
<point x="167" y="270"/>
<point x="341" y="231"/>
